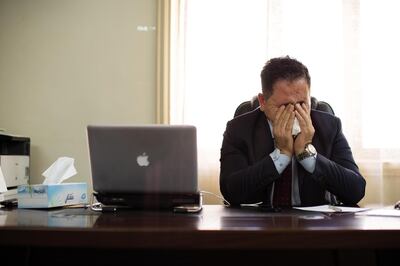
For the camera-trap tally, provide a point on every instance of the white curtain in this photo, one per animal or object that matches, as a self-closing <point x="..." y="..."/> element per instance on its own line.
<point x="349" y="46"/>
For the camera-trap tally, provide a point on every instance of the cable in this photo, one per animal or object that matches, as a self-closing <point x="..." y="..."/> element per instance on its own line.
<point x="226" y="203"/>
<point x="95" y="206"/>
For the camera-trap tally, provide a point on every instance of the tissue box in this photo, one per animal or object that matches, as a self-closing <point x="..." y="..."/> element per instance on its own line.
<point x="55" y="195"/>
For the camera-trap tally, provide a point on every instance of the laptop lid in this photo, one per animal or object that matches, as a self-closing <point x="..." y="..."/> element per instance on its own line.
<point x="143" y="159"/>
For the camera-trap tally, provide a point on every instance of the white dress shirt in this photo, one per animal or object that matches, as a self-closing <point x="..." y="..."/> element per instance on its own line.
<point x="281" y="161"/>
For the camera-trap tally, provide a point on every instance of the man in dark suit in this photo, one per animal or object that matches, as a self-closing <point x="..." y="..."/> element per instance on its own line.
<point x="265" y="159"/>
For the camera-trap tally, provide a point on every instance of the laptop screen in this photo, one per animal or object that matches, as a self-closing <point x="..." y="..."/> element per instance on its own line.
<point x="143" y="159"/>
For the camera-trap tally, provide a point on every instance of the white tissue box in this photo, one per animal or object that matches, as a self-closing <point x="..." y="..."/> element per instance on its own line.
<point x="49" y="196"/>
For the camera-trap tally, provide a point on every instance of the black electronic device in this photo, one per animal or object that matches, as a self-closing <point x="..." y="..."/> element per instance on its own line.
<point x="149" y="200"/>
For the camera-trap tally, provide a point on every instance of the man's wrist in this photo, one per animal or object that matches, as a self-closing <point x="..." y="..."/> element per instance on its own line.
<point x="308" y="151"/>
<point x="281" y="161"/>
<point x="283" y="151"/>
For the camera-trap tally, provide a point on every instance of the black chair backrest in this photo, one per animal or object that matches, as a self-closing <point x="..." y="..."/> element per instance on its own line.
<point x="248" y="106"/>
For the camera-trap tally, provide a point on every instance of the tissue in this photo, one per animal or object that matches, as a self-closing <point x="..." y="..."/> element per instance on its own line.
<point x="296" y="127"/>
<point x="53" y="193"/>
<point x="62" y="169"/>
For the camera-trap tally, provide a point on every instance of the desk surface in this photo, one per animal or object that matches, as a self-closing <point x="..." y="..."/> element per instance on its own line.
<point x="216" y="227"/>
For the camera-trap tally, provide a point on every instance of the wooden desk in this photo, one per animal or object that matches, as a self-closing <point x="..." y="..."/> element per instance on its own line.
<point x="217" y="231"/>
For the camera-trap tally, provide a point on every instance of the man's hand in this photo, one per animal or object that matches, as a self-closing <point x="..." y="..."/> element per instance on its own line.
<point x="307" y="129"/>
<point x="282" y="127"/>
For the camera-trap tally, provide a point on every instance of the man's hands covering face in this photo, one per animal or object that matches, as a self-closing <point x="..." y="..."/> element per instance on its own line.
<point x="282" y="127"/>
<point x="307" y="130"/>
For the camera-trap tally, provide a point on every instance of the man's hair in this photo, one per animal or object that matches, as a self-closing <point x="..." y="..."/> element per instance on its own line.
<point x="282" y="68"/>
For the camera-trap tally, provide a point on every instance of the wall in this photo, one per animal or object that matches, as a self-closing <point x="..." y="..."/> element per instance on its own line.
<point x="69" y="63"/>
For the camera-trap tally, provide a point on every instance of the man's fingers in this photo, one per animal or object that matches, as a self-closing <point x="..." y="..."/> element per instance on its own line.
<point x="286" y="116"/>
<point x="303" y="114"/>
<point x="279" y="113"/>
<point x="303" y="109"/>
<point x="302" y="122"/>
<point x="283" y="126"/>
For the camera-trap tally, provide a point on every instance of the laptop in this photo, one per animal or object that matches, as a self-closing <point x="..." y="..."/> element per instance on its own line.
<point x="147" y="166"/>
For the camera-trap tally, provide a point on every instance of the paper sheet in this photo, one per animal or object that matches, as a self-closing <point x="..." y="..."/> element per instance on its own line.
<point x="382" y="212"/>
<point x="329" y="208"/>
<point x="3" y="186"/>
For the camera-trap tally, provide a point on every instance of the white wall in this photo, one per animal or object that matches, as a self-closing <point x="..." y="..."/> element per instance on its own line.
<point x="65" y="64"/>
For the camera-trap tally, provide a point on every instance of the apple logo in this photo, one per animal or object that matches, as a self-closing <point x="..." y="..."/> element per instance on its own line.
<point x="143" y="160"/>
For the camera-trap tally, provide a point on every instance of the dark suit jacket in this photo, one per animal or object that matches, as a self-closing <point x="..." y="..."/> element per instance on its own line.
<point x="248" y="172"/>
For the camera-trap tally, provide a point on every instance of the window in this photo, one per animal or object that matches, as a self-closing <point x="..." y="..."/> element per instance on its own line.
<point x="349" y="47"/>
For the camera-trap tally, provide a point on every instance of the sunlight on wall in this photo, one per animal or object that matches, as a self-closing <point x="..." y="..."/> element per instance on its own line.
<point x="380" y="73"/>
<point x="222" y="66"/>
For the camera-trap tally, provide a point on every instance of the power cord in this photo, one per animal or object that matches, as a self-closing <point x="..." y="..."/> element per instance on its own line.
<point x="95" y="206"/>
<point x="226" y="203"/>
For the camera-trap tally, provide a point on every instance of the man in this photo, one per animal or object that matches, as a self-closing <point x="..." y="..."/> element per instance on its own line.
<point x="265" y="159"/>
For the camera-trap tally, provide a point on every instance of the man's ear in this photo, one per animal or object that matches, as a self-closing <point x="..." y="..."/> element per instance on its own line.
<point x="261" y="101"/>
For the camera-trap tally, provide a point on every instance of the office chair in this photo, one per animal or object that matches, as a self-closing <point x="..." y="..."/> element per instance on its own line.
<point x="248" y="106"/>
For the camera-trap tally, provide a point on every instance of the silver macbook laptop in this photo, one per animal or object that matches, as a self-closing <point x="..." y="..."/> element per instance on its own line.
<point x="127" y="161"/>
